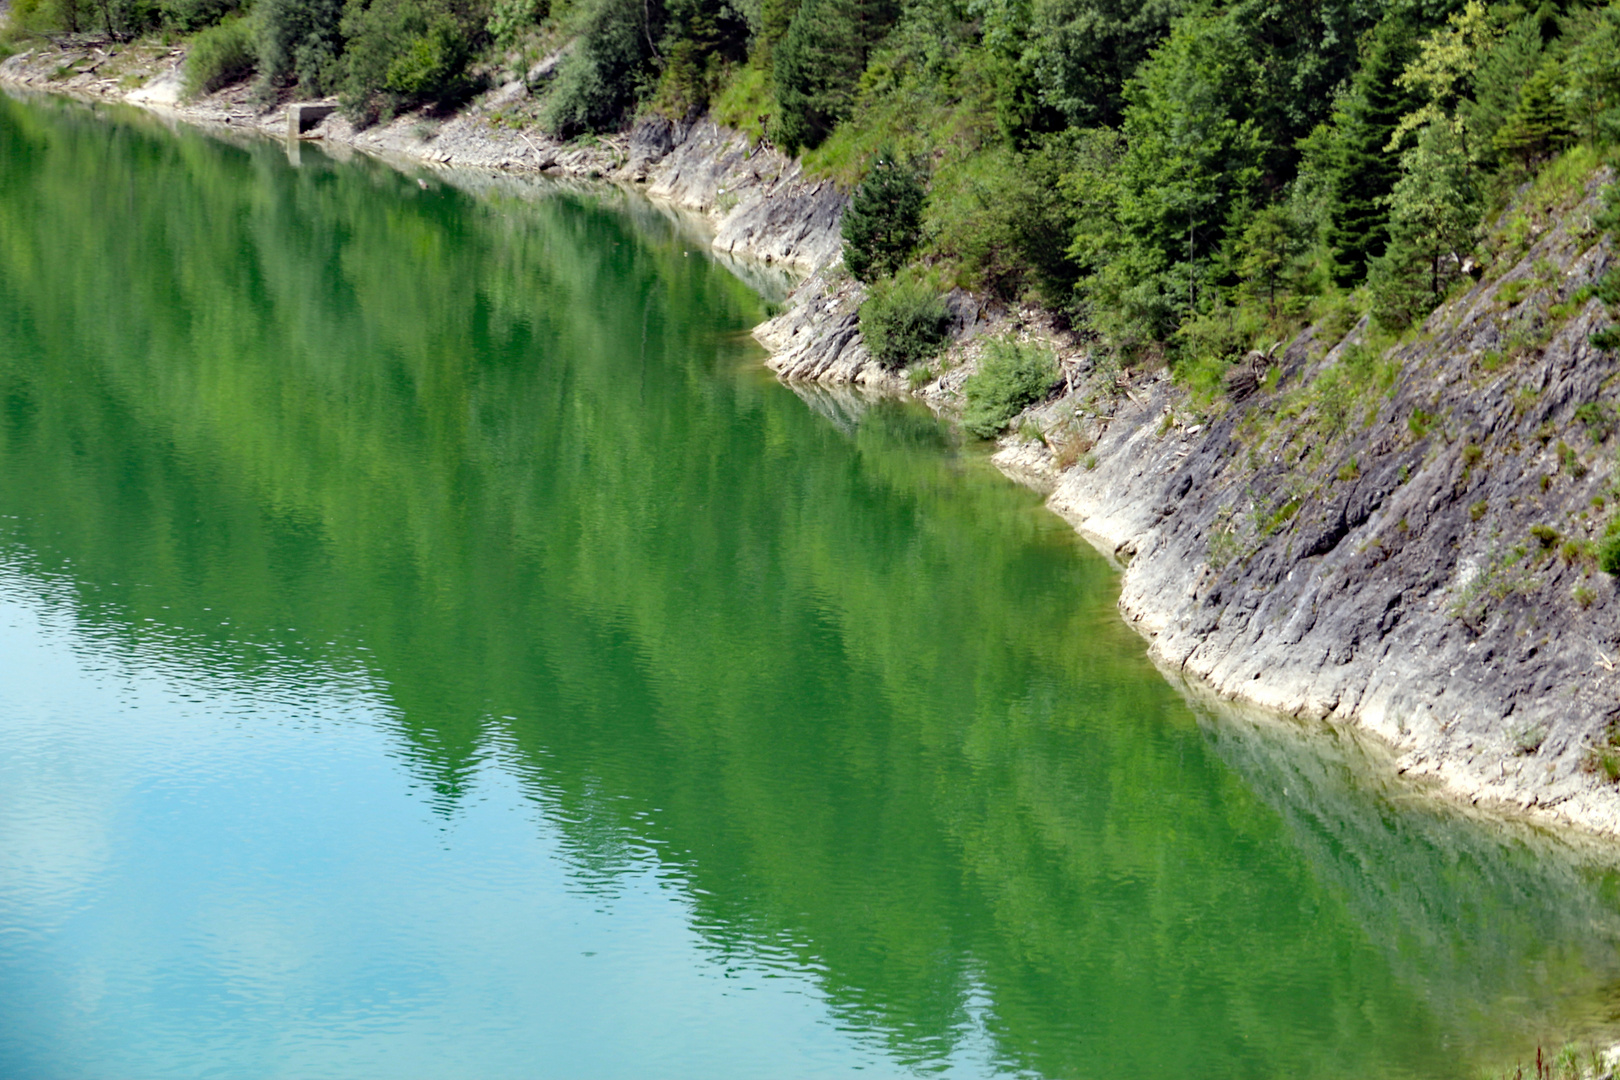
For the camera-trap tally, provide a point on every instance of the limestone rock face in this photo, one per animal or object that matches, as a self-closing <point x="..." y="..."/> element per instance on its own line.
<point x="818" y="339"/>
<point x="1421" y="565"/>
<point x="761" y="203"/>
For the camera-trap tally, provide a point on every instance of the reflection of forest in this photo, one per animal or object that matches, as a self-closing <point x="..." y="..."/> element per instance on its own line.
<point x="864" y="699"/>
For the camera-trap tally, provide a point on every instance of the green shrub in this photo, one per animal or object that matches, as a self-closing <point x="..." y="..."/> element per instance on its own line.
<point x="1344" y="390"/>
<point x="904" y="322"/>
<point x="1569" y="461"/>
<point x="1607" y="289"/>
<point x="1007" y="217"/>
<point x="1399" y="292"/>
<point x="509" y="20"/>
<point x="883" y="224"/>
<point x="1223" y="333"/>
<point x="1609" y="551"/>
<point x="599" y="82"/>
<point x="189" y="15"/>
<point x="402" y="51"/>
<point x="1510" y="293"/>
<point x="1599" y="418"/>
<point x="300" y="42"/>
<point x="220" y="56"/>
<point x="1011" y="376"/>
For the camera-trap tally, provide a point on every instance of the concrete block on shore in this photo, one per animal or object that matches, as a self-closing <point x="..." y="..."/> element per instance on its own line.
<point x="300" y="118"/>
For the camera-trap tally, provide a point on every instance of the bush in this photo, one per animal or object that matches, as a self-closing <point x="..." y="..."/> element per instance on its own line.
<point x="1609" y="552"/>
<point x="1009" y="218"/>
<point x="1607" y="339"/>
<point x="404" y="51"/>
<point x="904" y="322"/>
<point x="1399" y="290"/>
<point x="884" y="221"/>
<point x="602" y="78"/>
<point x="1600" y="419"/>
<point x="509" y="20"/>
<point x="122" y="19"/>
<point x="1010" y="377"/>
<point x="220" y="56"/>
<point x="189" y="15"/>
<point x="300" y="42"/>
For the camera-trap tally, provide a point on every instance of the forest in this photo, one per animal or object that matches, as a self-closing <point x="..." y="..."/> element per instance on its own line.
<point x="1181" y="181"/>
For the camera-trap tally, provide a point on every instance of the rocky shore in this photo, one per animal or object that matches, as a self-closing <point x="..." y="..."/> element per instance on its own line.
<point x="1417" y="559"/>
<point x="1413" y="557"/>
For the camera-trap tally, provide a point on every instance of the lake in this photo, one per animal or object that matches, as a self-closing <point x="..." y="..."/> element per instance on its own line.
<point x="432" y="646"/>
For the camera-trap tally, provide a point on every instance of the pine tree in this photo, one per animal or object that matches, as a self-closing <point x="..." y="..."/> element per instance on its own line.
<point x="1082" y="52"/>
<point x="1592" y="74"/>
<point x="818" y="62"/>
<point x="1364" y="173"/>
<point x="775" y="16"/>
<point x="1494" y="89"/>
<point x="1540" y="126"/>
<point x="1434" y="223"/>
<point x="884" y="221"/>
<point x="1270" y="254"/>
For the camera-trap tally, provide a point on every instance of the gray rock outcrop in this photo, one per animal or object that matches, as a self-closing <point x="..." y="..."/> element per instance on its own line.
<point x="1417" y="559"/>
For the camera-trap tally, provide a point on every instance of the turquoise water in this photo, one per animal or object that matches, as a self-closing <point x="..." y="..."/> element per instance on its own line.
<point x="431" y="647"/>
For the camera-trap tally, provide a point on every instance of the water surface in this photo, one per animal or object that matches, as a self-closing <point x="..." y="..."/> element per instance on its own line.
<point x="430" y="647"/>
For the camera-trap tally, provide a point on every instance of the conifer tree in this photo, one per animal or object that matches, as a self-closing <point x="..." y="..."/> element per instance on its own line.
<point x="884" y="221"/>
<point x="1270" y="254"/>
<point x="1494" y="89"/>
<point x="1434" y="223"/>
<point x="817" y="63"/>
<point x="1540" y="126"/>
<point x="1084" y="51"/>
<point x="1363" y="173"/>
<point x="1592" y="75"/>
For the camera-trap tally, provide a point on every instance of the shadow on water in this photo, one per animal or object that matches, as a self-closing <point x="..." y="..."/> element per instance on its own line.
<point x="869" y="705"/>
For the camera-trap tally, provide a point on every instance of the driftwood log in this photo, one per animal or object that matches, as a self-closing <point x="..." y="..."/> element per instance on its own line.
<point x="1243" y="378"/>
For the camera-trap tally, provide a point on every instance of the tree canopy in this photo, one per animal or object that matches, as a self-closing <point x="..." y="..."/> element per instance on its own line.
<point x="1145" y="168"/>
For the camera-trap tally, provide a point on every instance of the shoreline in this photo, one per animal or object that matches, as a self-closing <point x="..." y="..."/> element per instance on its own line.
<point x="1154" y="489"/>
<point x="756" y="203"/>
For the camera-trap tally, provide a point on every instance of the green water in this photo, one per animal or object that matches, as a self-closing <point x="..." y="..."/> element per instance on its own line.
<point x="431" y="647"/>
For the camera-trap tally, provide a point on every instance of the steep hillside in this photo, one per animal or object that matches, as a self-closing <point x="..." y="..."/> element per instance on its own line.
<point x="1404" y="538"/>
